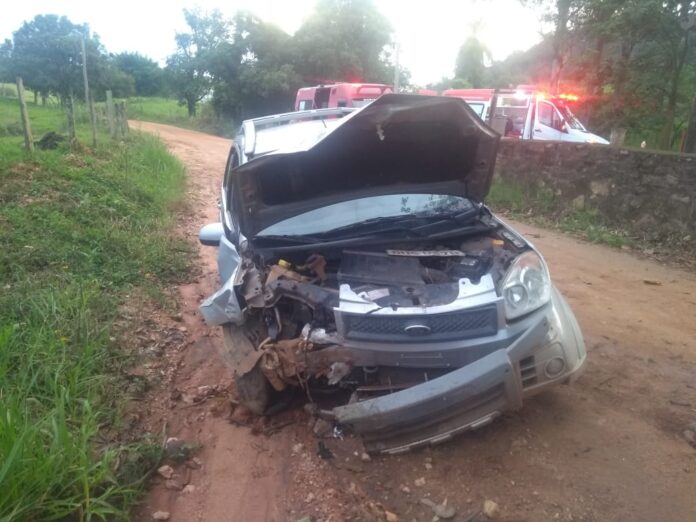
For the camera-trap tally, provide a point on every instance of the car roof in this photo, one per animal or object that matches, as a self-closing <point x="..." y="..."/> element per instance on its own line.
<point x="293" y="136"/>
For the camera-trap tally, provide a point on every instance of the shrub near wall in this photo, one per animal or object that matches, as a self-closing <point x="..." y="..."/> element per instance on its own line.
<point x="650" y="196"/>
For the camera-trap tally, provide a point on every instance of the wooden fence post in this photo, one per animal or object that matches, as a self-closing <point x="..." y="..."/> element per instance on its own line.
<point x="690" y="138"/>
<point x="124" y="114"/>
<point x="110" y="113"/>
<point x="26" y="126"/>
<point x="70" y="113"/>
<point x="88" y="99"/>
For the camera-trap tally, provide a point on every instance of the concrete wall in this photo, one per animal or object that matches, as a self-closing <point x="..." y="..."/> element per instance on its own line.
<point x="650" y="195"/>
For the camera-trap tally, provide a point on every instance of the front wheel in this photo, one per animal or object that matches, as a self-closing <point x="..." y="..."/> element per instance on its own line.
<point x="254" y="390"/>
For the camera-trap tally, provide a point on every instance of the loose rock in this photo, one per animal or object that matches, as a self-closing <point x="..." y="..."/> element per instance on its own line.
<point x="166" y="471"/>
<point x="490" y="509"/>
<point x="189" y="488"/>
<point x="322" y="428"/>
<point x="419" y="482"/>
<point x="390" y="517"/>
<point x="365" y="457"/>
<point x="160" y="515"/>
<point x="690" y="436"/>
<point x="174" y="485"/>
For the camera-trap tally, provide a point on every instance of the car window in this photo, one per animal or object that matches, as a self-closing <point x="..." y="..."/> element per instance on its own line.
<point x="304" y="105"/>
<point x="477" y="108"/>
<point x="358" y="210"/>
<point x="545" y="113"/>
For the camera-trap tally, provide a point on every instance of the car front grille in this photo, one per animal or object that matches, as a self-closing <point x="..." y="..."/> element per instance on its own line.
<point x="462" y="324"/>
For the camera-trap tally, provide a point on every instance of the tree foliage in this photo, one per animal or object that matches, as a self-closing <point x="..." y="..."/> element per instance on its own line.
<point x="147" y="76"/>
<point x="344" y="40"/>
<point x="471" y="66"/>
<point x="188" y="68"/>
<point x="46" y="54"/>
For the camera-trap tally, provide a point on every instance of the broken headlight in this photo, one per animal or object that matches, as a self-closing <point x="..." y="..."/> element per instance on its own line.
<point x="526" y="286"/>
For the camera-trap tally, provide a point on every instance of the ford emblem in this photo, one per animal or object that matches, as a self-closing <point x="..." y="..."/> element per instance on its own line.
<point x="417" y="329"/>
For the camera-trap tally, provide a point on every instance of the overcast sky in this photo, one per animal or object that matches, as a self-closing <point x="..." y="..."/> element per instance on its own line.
<point x="429" y="31"/>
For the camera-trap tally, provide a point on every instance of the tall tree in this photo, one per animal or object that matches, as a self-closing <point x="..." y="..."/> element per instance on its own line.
<point x="5" y="61"/>
<point x="253" y="73"/>
<point x="470" y="65"/>
<point x="46" y="53"/>
<point x="189" y="66"/>
<point x="344" y="40"/>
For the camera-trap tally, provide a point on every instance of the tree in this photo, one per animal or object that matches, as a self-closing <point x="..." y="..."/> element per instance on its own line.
<point x="46" y="53"/>
<point x="344" y="40"/>
<point x="188" y="67"/>
<point x="148" y="77"/>
<point x="470" y="64"/>
<point x="253" y="73"/>
<point x="5" y="61"/>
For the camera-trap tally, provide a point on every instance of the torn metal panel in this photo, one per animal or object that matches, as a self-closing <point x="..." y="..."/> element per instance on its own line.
<point x="223" y="306"/>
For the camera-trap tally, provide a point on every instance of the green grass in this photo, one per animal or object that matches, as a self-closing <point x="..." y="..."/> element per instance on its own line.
<point x="169" y="111"/>
<point x="541" y="207"/>
<point x="79" y="230"/>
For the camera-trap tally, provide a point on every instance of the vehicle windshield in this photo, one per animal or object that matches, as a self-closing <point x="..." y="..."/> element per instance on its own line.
<point x="568" y="116"/>
<point x="477" y="108"/>
<point x="357" y="211"/>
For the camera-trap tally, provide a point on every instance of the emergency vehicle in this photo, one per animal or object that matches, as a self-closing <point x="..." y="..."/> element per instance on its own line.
<point x="528" y="114"/>
<point x="339" y="95"/>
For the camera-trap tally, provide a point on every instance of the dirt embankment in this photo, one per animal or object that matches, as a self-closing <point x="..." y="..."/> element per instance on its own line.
<point x="611" y="447"/>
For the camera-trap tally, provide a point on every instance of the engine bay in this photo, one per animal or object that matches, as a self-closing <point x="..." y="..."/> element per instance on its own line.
<point x="307" y="313"/>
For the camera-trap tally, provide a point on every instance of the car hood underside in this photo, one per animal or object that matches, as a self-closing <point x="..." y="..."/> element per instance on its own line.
<point x="398" y="144"/>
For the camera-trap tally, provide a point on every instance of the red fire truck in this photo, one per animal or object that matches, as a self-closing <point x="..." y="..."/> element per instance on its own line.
<point x="339" y="95"/>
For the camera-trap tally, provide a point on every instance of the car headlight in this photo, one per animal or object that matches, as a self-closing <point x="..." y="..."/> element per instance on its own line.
<point x="526" y="286"/>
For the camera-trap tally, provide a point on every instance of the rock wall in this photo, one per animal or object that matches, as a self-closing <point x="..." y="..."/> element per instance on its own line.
<point x="649" y="195"/>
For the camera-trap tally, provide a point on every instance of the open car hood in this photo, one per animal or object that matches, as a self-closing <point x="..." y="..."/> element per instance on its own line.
<point x="400" y="143"/>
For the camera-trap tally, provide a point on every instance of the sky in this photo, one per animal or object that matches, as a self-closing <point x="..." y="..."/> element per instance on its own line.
<point x="429" y="32"/>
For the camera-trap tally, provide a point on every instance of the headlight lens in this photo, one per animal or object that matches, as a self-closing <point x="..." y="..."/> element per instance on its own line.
<point x="526" y="286"/>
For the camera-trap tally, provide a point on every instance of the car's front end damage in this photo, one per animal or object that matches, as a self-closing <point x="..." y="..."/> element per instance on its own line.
<point x="420" y="323"/>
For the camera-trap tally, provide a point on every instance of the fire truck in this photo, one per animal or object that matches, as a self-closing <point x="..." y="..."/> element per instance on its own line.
<point x="527" y="113"/>
<point x="339" y="95"/>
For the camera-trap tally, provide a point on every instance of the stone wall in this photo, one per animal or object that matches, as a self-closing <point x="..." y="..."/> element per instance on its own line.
<point x="649" y="195"/>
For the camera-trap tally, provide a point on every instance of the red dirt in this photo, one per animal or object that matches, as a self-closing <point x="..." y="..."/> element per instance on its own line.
<point x="610" y="447"/>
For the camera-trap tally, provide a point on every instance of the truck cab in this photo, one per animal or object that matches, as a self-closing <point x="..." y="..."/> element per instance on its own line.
<point x="527" y="114"/>
<point x="339" y="95"/>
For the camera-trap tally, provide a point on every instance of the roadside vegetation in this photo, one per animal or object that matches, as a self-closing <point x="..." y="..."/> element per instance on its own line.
<point x="79" y="231"/>
<point x="171" y="112"/>
<point x="540" y="207"/>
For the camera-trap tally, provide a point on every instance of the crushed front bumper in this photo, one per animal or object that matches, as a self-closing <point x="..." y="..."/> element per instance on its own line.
<point x="472" y="396"/>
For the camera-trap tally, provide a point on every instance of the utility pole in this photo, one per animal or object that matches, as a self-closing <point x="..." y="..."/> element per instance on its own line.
<point x="88" y="98"/>
<point x="26" y="126"/>
<point x="397" y="75"/>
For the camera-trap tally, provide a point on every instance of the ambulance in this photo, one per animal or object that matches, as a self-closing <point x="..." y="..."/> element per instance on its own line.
<point x="527" y="113"/>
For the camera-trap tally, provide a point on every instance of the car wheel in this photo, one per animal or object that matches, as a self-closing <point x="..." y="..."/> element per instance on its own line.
<point x="254" y="390"/>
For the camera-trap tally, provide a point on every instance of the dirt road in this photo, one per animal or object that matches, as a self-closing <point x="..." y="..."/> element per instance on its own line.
<point x="611" y="447"/>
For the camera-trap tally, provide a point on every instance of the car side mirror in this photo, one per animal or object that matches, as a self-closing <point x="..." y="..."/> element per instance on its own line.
<point x="210" y="234"/>
<point x="564" y="127"/>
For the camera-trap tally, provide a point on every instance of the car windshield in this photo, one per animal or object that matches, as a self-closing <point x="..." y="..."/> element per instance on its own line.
<point x="568" y="116"/>
<point x="357" y="211"/>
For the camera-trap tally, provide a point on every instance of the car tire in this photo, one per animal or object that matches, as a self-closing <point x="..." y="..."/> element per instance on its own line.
<point x="254" y="390"/>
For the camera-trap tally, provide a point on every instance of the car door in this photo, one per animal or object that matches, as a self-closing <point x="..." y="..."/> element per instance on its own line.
<point x="548" y="123"/>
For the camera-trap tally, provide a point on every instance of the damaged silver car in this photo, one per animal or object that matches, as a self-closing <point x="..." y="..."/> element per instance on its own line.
<point x="360" y="266"/>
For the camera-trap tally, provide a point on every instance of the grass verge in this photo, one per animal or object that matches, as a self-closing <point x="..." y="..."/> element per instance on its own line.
<point x="78" y="231"/>
<point x="169" y="111"/>
<point x="540" y="207"/>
